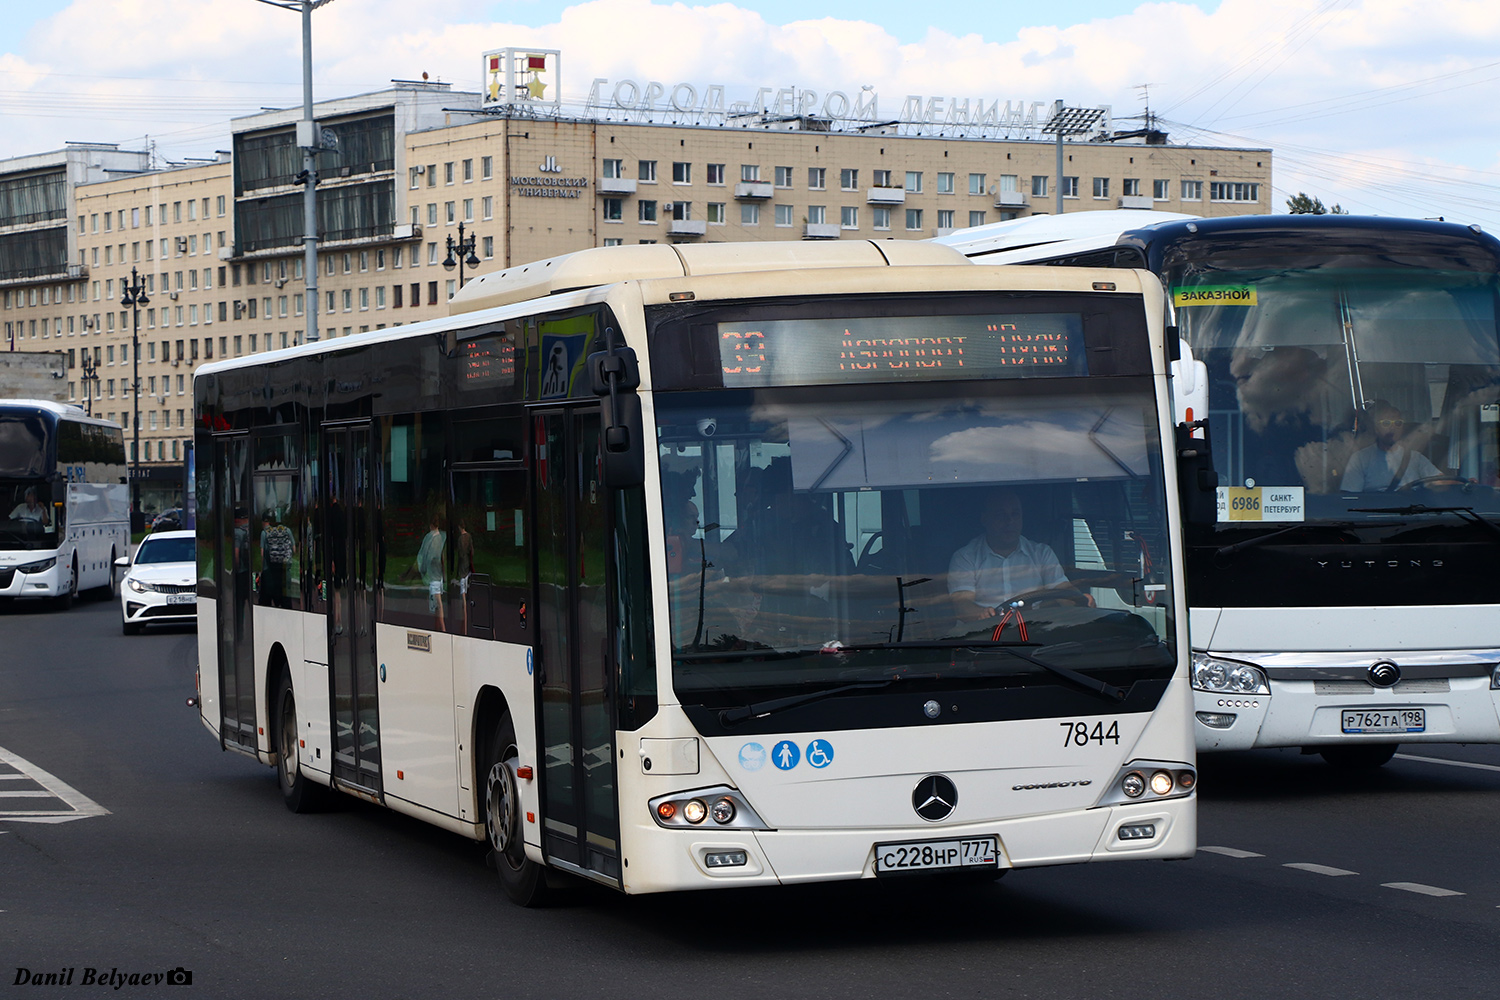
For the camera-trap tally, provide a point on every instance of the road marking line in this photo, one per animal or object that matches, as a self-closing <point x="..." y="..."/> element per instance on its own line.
<point x="80" y="805"/>
<point x="14" y="777"/>
<point x="1418" y="887"/>
<point x="38" y="794"/>
<point x="1450" y="763"/>
<point x="1231" y="852"/>
<point x="1304" y="866"/>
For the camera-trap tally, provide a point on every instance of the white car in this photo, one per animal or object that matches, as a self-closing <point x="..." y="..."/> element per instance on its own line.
<point x="161" y="585"/>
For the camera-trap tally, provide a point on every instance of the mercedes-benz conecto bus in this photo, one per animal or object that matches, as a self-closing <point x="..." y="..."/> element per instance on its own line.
<point x="1341" y="379"/>
<point x="694" y="566"/>
<point x="64" y="501"/>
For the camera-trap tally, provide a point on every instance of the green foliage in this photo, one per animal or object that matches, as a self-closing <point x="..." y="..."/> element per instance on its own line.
<point x="1302" y="204"/>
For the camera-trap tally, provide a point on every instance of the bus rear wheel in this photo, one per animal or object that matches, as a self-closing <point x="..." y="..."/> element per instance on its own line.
<point x="524" y="880"/>
<point x="1359" y="756"/>
<point x="299" y="794"/>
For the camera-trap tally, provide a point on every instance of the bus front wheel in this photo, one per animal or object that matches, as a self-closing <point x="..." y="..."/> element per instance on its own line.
<point x="523" y="879"/>
<point x="1359" y="756"/>
<point x="299" y="794"/>
<point x="66" y="598"/>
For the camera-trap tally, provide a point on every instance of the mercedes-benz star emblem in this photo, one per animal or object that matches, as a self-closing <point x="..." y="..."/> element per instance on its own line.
<point x="934" y="798"/>
<point x="1383" y="673"/>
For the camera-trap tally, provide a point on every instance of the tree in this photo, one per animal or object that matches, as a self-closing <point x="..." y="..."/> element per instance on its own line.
<point x="1304" y="205"/>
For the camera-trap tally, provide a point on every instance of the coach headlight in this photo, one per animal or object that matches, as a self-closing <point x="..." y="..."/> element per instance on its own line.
<point x="1228" y="676"/>
<point x="38" y="567"/>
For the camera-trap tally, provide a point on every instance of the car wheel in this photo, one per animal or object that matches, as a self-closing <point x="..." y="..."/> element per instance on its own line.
<point x="524" y="880"/>
<point x="113" y="587"/>
<point x="300" y="794"/>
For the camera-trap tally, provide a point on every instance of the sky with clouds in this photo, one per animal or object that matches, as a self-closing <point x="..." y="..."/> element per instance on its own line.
<point x="1379" y="105"/>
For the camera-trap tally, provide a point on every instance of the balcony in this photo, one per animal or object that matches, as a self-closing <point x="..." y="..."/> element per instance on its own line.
<point x="753" y="190"/>
<point x="616" y="185"/>
<point x="942" y="231"/>
<point x="1010" y="199"/>
<point x="686" y="227"/>
<point x="885" y="196"/>
<point x="1135" y="201"/>
<point x="820" y="231"/>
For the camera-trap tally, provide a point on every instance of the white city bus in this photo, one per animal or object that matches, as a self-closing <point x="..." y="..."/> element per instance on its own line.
<point x="639" y="568"/>
<point x="1342" y="376"/>
<point x="64" y="501"/>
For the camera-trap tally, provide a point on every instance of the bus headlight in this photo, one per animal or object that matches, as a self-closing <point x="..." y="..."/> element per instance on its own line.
<point x="1228" y="676"/>
<point x="38" y="567"/>
<point x="688" y="809"/>
<point x="1167" y="780"/>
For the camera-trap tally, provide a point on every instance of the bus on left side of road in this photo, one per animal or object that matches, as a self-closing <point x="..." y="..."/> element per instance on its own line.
<point x="64" y="501"/>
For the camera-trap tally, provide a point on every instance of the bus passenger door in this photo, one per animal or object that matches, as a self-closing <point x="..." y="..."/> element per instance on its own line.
<point x="579" y="807"/>
<point x="349" y="554"/>
<point x="236" y="650"/>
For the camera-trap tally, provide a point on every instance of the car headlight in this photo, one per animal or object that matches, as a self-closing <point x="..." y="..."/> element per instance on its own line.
<point x="136" y="585"/>
<point x="1228" y="676"/>
<point x="38" y="567"/>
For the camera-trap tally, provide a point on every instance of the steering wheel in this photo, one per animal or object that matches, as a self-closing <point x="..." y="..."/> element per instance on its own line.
<point x="864" y="553"/>
<point x="1062" y="595"/>
<point x="1429" y="481"/>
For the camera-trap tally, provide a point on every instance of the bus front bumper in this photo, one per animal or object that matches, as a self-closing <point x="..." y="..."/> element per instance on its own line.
<point x="680" y="859"/>
<point x="41" y="583"/>
<point x="1456" y="698"/>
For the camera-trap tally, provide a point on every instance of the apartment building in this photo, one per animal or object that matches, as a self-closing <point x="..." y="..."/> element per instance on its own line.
<point x="218" y="244"/>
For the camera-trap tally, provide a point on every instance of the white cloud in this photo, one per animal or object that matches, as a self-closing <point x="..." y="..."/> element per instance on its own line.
<point x="1247" y="68"/>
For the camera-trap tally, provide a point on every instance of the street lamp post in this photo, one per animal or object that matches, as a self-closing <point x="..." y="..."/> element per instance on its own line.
<point x="89" y="381"/>
<point x="460" y="252"/>
<point x="134" y="298"/>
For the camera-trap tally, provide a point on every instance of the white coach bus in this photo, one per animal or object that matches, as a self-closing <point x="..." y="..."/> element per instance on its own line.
<point x="1340" y="378"/>
<point x="64" y="501"/>
<point x="694" y="566"/>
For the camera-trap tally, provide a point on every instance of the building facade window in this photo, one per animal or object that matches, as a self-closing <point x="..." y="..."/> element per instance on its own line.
<point x="783" y="177"/>
<point x="976" y="183"/>
<point x="1233" y="191"/>
<point x="945" y="218"/>
<point x="614" y="169"/>
<point x="944" y="182"/>
<point x="1070" y="187"/>
<point x="1161" y="190"/>
<point x="783" y="215"/>
<point x="848" y="179"/>
<point x="749" y="172"/>
<point x="1101" y="188"/>
<point x="716" y="213"/>
<point x="1130" y="187"/>
<point x="682" y="173"/>
<point x="913" y="219"/>
<point x="1192" y="190"/>
<point x="880" y="218"/>
<point x="817" y="178"/>
<point x="715" y="174"/>
<point x="646" y="212"/>
<point x="976" y="218"/>
<point x="914" y="181"/>
<point x="849" y="217"/>
<point x="613" y="210"/>
<point x="749" y="214"/>
<point x="646" y="171"/>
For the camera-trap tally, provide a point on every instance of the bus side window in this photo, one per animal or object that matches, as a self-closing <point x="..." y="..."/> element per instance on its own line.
<point x="417" y="555"/>
<point x="491" y="569"/>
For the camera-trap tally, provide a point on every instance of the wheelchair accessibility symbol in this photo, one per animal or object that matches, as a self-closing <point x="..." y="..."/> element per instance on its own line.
<point x="820" y="753"/>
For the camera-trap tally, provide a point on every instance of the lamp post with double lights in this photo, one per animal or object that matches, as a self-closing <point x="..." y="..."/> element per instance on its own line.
<point x="89" y="380"/>
<point x="133" y="298"/>
<point x="460" y="252"/>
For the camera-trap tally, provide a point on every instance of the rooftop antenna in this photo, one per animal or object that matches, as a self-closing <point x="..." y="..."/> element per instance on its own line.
<point x="1145" y="89"/>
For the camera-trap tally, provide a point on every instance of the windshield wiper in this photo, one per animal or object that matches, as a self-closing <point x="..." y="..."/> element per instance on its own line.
<point x="1250" y="543"/>
<point x="760" y="710"/>
<point x="1466" y="513"/>
<point x="1101" y="688"/>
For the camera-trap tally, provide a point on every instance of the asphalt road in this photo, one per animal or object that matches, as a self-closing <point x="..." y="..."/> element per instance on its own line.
<point x="1311" y="882"/>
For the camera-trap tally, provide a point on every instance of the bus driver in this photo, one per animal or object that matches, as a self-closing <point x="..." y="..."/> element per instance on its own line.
<point x="30" y="510"/>
<point x="1001" y="563"/>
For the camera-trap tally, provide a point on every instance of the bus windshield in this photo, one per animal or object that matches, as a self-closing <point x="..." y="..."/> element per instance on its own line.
<point x="27" y="517"/>
<point x="1349" y="392"/>
<point x="833" y="535"/>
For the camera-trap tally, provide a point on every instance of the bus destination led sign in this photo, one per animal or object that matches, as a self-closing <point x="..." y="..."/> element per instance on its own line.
<point x="900" y="348"/>
<point x="487" y="361"/>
